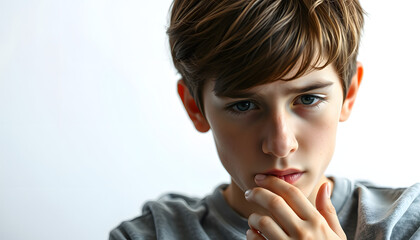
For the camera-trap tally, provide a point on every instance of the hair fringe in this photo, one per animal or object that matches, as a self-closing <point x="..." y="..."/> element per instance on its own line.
<point x="244" y="43"/>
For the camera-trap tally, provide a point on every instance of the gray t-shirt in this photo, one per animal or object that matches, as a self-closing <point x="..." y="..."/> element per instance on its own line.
<point x="365" y="212"/>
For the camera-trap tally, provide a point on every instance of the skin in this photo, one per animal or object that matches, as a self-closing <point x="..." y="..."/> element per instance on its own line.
<point x="279" y="126"/>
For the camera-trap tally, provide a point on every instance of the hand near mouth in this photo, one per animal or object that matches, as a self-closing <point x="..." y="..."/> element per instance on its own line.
<point x="292" y="214"/>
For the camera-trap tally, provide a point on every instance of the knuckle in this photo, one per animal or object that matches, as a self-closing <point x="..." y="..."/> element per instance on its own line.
<point x="303" y="232"/>
<point x="303" y="235"/>
<point x="300" y="231"/>
<point x="317" y="223"/>
<point x="293" y="190"/>
<point x="310" y="230"/>
<point x="309" y="237"/>
<point x="328" y="210"/>
<point x="264" y="222"/>
<point x="331" y="208"/>
<point x="306" y="235"/>
<point x="275" y="202"/>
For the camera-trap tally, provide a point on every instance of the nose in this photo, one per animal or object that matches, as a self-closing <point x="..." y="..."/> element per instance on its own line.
<point x="279" y="140"/>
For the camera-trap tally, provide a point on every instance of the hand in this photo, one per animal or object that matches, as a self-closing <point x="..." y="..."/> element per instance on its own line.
<point x="292" y="214"/>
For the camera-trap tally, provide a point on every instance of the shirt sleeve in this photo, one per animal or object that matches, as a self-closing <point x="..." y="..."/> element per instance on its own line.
<point x="140" y="228"/>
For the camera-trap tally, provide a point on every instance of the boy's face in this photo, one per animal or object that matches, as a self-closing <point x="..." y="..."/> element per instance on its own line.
<point x="282" y="125"/>
<point x="278" y="128"/>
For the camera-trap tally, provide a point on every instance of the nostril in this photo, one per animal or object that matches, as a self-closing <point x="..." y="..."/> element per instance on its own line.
<point x="279" y="148"/>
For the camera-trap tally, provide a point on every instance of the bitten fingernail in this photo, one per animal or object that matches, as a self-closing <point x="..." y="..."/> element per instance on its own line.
<point x="247" y="193"/>
<point x="260" y="177"/>
<point x="328" y="190"/>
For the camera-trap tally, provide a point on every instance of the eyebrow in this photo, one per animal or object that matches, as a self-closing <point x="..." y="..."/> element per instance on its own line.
<point x="314" y="86"/>
<point x="248" y="94"/>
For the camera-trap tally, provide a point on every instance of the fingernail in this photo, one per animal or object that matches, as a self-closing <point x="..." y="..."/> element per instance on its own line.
<point x="247" y="193"/>
<point x="260" y="177"/>
<point x="328" y="190"/>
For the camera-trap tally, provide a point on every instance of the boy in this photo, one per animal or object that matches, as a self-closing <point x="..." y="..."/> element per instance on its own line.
<point x="272" y="79"/>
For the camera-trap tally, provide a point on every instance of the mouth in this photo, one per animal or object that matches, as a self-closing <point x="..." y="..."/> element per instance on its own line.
<point x="289" y="175"/>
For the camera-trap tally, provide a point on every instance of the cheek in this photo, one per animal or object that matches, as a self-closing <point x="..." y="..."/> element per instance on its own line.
<point x="318" y="138"/>
<point x="316" y="146"/>
<point x="236" y="148"/>
<point x="232" y="142"/>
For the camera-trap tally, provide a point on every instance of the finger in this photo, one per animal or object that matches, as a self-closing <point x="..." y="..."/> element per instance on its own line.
<point x="266" y="227"/>
<point x="291" y="194"/>
<point x="252" y="234"/>
<point x="327" y="210"/>
<point x="277" y="207"/>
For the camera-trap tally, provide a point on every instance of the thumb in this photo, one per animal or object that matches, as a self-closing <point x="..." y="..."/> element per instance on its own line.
<point x="327" y="210"/>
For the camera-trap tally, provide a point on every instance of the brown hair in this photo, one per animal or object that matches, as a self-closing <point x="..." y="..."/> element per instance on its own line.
<point x="244" y="43"/>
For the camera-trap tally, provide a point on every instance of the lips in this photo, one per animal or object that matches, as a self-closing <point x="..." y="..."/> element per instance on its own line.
<point x="288" y="175"/>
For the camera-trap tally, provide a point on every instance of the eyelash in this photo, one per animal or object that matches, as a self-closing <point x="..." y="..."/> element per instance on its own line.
<point x="318" y="99"/>
<point x="231" y="107"/>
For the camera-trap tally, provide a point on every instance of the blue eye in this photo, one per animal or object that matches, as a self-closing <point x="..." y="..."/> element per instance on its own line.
<point x="308" y="100"/>
<point x="243" y="106"/>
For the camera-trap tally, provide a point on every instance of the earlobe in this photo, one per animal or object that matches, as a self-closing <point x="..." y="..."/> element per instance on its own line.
<point x="351" y="93"/>
<point x="199" y="121"/>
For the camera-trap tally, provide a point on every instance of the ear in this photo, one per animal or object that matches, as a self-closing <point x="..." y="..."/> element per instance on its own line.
<point x="351" y="93"/>
<point x="199" y="121"/>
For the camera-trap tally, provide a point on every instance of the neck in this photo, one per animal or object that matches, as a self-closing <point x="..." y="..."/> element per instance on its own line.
<point x="235" y="197"/>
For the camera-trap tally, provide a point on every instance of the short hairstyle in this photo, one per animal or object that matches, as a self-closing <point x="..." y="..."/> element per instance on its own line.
<point x="244" y="43"/>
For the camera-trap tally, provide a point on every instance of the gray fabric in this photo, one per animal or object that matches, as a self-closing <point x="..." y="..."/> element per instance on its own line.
<point x="179" y="217"/>
<point x="365" y="212"/>
<point x="369" y="212"/>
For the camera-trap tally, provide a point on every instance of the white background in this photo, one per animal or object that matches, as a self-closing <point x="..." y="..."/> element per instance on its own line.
<point x="91" y="126"/>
